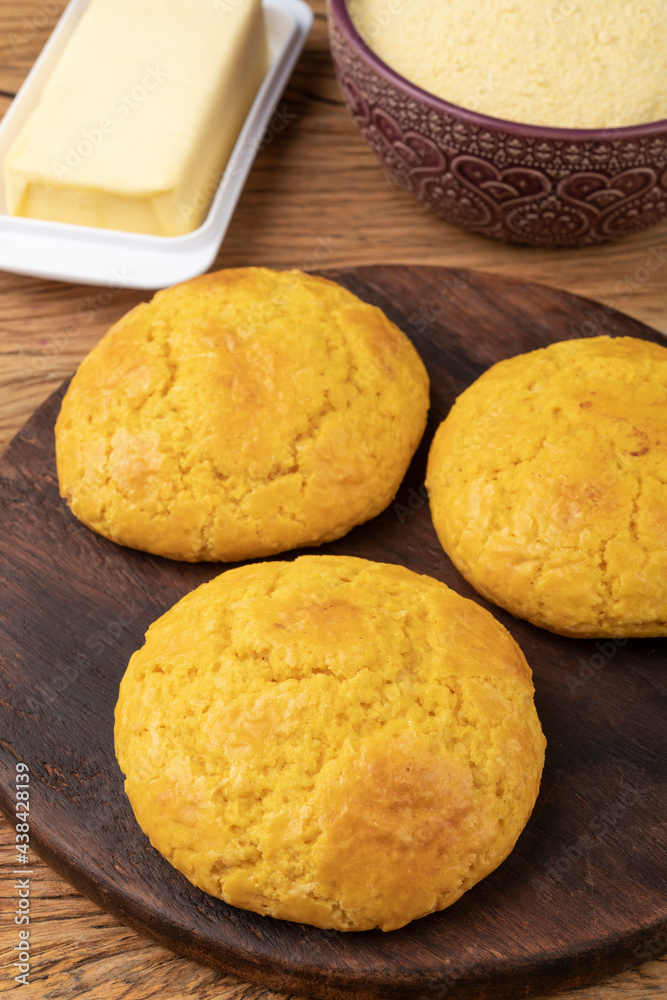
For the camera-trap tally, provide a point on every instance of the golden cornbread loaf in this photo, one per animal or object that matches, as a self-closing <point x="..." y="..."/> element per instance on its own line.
<point x="331" y="740"/>
<point x="548" y="486"/>
<point x="240" y="414"/>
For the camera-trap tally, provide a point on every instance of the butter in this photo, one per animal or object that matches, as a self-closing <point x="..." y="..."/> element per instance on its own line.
<point x="139" y="116"/>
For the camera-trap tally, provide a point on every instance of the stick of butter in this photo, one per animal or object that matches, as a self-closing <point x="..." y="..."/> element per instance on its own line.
<point x="140" y="115"/>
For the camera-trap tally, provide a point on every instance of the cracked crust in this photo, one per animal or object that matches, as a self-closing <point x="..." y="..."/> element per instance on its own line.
<point x="331" y="741"/>
<point x="241" y="414"/>
<point x="548" y="486"/>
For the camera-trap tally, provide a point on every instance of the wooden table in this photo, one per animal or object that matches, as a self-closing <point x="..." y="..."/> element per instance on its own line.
<point x="315" y="198"/>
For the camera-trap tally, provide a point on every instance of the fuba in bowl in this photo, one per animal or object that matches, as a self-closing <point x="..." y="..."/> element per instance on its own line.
<point x="540" y="184"/>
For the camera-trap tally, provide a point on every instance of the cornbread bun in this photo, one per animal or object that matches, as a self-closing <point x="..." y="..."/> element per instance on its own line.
<point x="332" y="741"/>
<point x="559" y="63"/>
<point x="241" y="414"/>
<point x="548" y="486"/>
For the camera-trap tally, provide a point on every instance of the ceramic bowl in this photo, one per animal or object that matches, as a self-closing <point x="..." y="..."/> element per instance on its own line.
<point x="521" y="183"/>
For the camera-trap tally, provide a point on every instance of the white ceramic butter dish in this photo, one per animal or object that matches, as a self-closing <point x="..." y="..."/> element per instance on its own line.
<point x="109" y="257"/>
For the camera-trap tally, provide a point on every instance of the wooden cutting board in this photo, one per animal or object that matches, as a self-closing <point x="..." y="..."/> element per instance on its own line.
<point x="584" y="892"/>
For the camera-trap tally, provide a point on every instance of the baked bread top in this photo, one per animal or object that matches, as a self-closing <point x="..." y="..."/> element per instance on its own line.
<point x="241" y="414"/>
<point x="548" y="486"/>
<point x="331" y="740"/>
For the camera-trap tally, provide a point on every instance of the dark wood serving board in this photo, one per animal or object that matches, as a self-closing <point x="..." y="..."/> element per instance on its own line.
<point x="584" y="892"/>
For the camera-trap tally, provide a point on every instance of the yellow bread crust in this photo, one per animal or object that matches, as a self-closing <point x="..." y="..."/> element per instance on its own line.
<point x="331" y="741"/>
<point x="548" y="486"/>
<point x="241" y="414"/>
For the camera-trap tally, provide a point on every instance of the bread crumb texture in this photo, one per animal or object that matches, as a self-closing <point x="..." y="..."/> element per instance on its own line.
<point x="562" y="63"/>
<point x="331" y="741"/>
<point x="548" y="486"/>
<point x="241" y="414"/>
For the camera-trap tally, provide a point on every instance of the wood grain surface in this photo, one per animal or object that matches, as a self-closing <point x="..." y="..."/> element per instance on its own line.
<point x="315" y="198"/>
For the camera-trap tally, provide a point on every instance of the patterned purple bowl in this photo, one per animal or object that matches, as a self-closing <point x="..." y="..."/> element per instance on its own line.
<point x="521" y="183"/>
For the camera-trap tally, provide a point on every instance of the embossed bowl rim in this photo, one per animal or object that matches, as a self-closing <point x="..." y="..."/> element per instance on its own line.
<point x="338" y="8"/>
